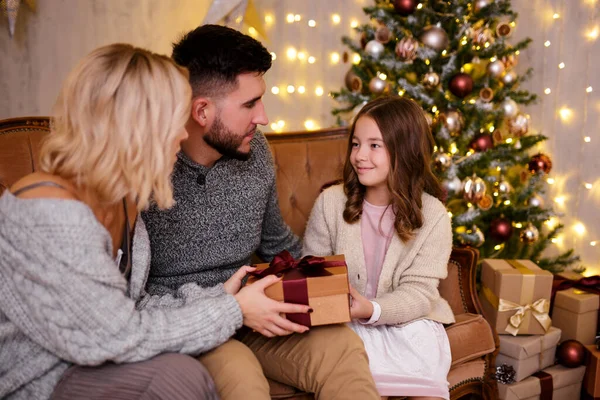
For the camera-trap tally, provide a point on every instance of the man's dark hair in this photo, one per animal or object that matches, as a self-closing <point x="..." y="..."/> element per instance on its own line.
<point x="215" y="55"/>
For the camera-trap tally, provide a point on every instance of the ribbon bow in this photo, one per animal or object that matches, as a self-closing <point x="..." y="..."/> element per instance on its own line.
<point x="590" y="284"/>
<point x="539" y="309"/>
<point x="306" y="266"/>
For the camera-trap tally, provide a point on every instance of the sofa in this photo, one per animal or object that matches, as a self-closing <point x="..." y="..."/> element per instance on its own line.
<point x="304" y="162"/>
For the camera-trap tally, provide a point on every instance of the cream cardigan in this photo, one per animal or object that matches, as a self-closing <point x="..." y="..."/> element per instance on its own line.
<point x="411" y="272"/>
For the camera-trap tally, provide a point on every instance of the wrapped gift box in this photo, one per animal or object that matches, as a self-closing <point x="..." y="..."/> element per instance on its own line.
<point x="528" y="354"/>
<point x="320" y="282"/>
<point x="515" y="295"/>
<point x="575" y="310"/>
<point x="561" y="382"/>
<point x="591" y="382"/>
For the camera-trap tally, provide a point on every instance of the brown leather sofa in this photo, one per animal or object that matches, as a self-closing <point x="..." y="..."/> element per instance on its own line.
<point x="304" y="162"/>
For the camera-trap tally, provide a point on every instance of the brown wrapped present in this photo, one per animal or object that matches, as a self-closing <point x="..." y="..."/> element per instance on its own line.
<point x="515" y="295"/>
<point x="528" y="354"/>
<point x="320" y="282"/>
<point x="575" y="306"/>
<point x="556" y="383"/>
<point x="591" y="382"/>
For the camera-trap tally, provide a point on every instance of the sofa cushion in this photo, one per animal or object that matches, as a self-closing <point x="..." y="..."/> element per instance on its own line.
<point x="470" y="337"/>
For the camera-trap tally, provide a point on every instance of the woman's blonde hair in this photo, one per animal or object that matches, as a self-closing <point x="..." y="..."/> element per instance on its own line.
<point x="115" y="123"/>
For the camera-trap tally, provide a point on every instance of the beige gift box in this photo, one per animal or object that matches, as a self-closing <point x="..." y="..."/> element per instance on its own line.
<point x="515" y="295"/>
<point x="528" y="354"/>
<point x="566" y="385"/>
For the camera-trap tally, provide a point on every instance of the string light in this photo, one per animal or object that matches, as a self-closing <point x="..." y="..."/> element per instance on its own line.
<point x="419" y="6"/>
<point x="561" y="65"/>
<point x="354" y="23"/>
<point x="275" y="90"/>
<point x="589" y="89"/>
<point x="291" y="53"/>
<point x="587" y="139"/>
<point x="547" y="43"/>
<point x="301" y="55"/>
<point x="273" y="56"/>
<point x="301" y="89"/>
<point x="565" y="114"/>
<point x="280" y="124"/>
<point x="335" y="18"/>
<point x="319" y="91"/>
<point x="312" y="23"/>
<point x="556" y="16"/>
<point x="356" y="59"/>
<point x="311" y="60"/>
<point x="297" y="17"/>
<point x="579" y="228"/>
<point x="335" y="57"/>
<point x="550" y="181"/>
<point x="593" y="33"/>
<point x="291" y="89"/>
<point x="290" y="18"/>
<point x="547" y="91"/>
<point x="589" y="186"/>
<point x="593" y="243"/>
<point x="252" y="31"/>
<point x="560" y="200"/>
<point x="269" y="19"/>
<point x="310" y="124"/>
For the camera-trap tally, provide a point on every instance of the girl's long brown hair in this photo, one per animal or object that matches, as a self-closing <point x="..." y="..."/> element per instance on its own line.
<point x="409" y="143"/>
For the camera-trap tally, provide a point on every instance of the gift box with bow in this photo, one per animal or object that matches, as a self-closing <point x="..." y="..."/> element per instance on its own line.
<point x="528" y="354"/>
<point x="515" y="296"/>
<point x="320" y="282"/>
<point x="554" y="383"/>
<point x="576" y="305"/>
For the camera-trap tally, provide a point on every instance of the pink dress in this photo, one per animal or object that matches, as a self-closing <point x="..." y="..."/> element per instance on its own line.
<point x="411" y="359"/>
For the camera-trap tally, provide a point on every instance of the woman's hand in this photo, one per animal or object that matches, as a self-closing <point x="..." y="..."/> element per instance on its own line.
<point x="264" y="315"/>
<point x="233" y="284"/>
<point x="360" y="307"/>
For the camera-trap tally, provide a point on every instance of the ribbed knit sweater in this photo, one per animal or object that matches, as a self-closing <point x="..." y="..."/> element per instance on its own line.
<point x="222" y="215"/>
<point x="63" y="300"/>
<point x="411" y="272"/>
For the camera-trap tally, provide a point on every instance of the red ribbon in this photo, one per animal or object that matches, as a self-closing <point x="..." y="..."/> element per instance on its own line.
<point x="295" y="272"/>
<point x="546" y="385"/>
<point x="591" y="284"/>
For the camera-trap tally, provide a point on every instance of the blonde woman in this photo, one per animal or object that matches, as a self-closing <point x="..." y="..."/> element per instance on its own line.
<point x="75" y="321"/>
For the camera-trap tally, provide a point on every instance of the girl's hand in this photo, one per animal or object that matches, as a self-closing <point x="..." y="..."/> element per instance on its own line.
<point x="233" y="284"/>
<point x="360" y="307"/>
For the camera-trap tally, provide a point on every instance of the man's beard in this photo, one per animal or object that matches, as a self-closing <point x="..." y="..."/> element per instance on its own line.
<point x="227" y="143"/>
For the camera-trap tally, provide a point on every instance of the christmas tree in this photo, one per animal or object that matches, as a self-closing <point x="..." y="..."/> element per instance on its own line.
<point x="454" y="57"/>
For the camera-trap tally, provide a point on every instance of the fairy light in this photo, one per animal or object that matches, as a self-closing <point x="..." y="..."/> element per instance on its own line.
<point x="274" y="126"/>
<point x="593" y="33"/>
<point x="335" y="18"/>
<point x="419" y="6"/>
<point x="275" y="90"/>
<point x="269" y="19"/>
<point x="507" y="202"/>
<point x="497" y="247"/>
<point x="550" y="181"/>
<point x="587" y="139"/>
<point x="312" y="23"/>
<point x="356" y="59"/>
<point x="252" y="31"/>
<point x="273" y="56"/>
<point x="291" y="89"/>
<point x="354" y="23"/>
<point x="434" y="109"/>
<point x="565" y="114"/>
<point x="301" y="55"/>
<point x="301" y="89"/>
<point x="401" y="92"/>
<point x="319" y="91"/>
<point x="561" y="65"/>
<point x="290" y="18"/>
<point x="297" y="17"/>
<point x="579" y="228"/>
<point x="291" y="53"/>
<point x="588" y="186"/>
<point x="547" y="91"/>
<point x="593" y="243"/>
<point x="518" y="225"/>
<point x="560" y="200"/>
<point x="589" y="89"/>
<point x="311" y="60"/>
<point x="280" y="124"/>
<point x="556" y="16"/>
<point x="335" y="57"/>
<point x="453" y="148"/>
<point x="444" y="52"/>
<point x="310" y="125"/>
<point x="509" y="140"/>
<point x="551" y="223"/>
<point x="382" y="76"/>
<point x="547" y="43"/>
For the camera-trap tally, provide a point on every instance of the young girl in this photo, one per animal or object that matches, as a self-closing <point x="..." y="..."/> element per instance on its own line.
<point x="388" y="221"/>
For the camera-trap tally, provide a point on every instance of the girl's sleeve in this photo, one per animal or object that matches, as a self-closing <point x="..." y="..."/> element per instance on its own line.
<point x="317" y="238"/>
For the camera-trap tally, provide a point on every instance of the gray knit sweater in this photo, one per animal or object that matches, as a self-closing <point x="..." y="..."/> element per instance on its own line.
<point x="63" y="300"/>
<point x="216" y="226"/>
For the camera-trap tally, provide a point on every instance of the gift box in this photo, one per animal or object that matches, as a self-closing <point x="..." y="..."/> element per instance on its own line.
<point x="320" y="282"/>
<point x="575" y="306"/>
<point x="591" y="382"/>
<point x="515" y="296"/>
<point x="528" y="354"/>
<point x="556" y="382"/>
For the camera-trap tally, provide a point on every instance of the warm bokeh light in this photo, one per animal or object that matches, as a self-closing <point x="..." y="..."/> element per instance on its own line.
<point x="291" y="89"/>
<point x="290" y="18"/>
<point x="311" y="60"/>
<point x="565" y="114"/>
<point x="291" y="53"/>
<point x="312" y="23"/>
<point x="336" y="19"/>
<point x="335" y="57"/>
<point x="275" y="90"/>
<point x="301" y="89"/>
<point x="319" y="91"/>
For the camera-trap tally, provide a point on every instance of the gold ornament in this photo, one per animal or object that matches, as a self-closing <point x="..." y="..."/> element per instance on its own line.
<point x="353" y="82"/>
<point x="530" y="234"/>
<point x="441" y="160"/>
<point x="496" y="69"/>
<point x="383" y="34"/>
<point x="406" y="49"/>
<point x="509" y="107"/>
<point x="486" y="94"/>
<point x="431" y="80"/>
<point x="453" y="121"/>
<point x="377" y="85"/>
<point x="519" y="125"/>
<point x="503" y="29"/>
<point x="509" y="77"/>
<point x="473" y="189"/>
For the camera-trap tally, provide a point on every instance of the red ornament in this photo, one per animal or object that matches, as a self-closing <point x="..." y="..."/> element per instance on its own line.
<point x="501" y="229"/>
<point x="540" y="162"/>
<point x="461" y="85"/>
<point x="405" y="7"/>
<point x="570" y="353"/>
<point x="482" y="143"/>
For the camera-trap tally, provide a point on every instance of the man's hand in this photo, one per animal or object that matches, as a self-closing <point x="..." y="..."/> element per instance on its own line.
<point x="263" y="314"/>
<point x="361" y="307"/>
<point x="233" y="284"/>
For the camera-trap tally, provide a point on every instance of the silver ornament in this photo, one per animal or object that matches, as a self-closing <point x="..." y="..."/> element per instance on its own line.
<point x="509" y="107"/>
<point x="479" y="236"/>
<point x="530" y="234"/>
<point x="535" y="201"/>
<point x="519" y="125"/>
<point x="479" y="5"/>
<point x="441" y="160"/>
<point x="377" y="85"/>
<point x="374" y="49"/>
<point x="496" y="69"/>
<point x="435" y="37"/>
<point x="453" y="121"/>
<point x="509" y="77"/>
<point x="431" y="80"/>
<point x="473" y="189"/>
<point x="452" y="186"/>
